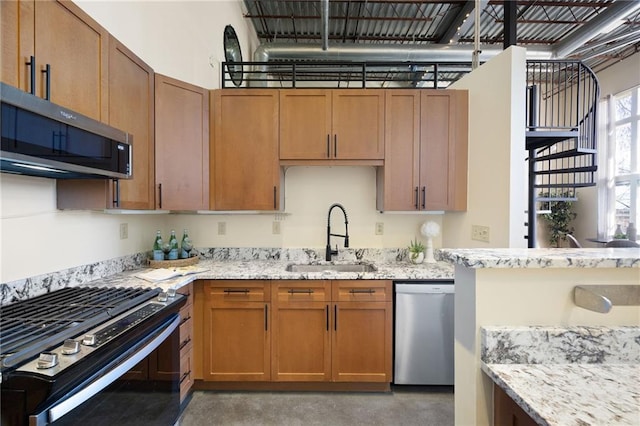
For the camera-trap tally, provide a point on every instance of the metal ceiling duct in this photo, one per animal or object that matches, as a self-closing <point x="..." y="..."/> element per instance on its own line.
<point x="431" y="52"/>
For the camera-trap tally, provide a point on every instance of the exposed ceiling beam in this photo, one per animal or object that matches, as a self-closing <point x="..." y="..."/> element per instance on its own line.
<point x="340" y="18"/>
<point x="453" y="24"/>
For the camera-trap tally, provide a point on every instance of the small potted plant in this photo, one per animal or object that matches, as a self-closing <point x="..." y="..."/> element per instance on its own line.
<point x="416" y="251"/>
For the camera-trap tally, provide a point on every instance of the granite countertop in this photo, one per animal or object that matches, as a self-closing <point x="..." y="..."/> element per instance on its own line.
<point x="567" y="375"/>
<point x="543" y="258"/>
<point x="276" y="270"/>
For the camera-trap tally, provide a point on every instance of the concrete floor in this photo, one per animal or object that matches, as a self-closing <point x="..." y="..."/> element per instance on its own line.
<point x="426" y="405"/>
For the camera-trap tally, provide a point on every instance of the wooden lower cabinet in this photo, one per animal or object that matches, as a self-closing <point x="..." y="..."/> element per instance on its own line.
<point x="186" y="342"/>
<point x="301" y="344"/>
<point x="506" y="412"/>
<point x="307" y="331"/>
<point x="237" y="336"/>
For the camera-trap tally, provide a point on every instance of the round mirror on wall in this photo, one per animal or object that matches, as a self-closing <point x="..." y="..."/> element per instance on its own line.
<point x="232" y="53"/>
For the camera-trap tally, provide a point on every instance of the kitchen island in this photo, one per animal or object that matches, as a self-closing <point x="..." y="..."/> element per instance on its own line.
<point x="525" y="287"/>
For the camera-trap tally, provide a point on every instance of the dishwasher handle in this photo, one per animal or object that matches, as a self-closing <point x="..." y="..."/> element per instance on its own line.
<point x="431" y="288"/>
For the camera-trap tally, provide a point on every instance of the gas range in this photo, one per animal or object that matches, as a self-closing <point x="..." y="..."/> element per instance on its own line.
<point x="56" y="346"/>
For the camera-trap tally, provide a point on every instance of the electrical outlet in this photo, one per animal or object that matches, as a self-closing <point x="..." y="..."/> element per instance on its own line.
<point x="124" y="231"/>
<point x="275" y="227"/>
<point x="222" y="228"/>
<point x="379" y="228"/>
<point x="480" y="233"/>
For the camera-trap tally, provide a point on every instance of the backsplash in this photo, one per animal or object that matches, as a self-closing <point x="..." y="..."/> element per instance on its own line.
<point x="26" y="288"/>
<point x="560" y="345"/>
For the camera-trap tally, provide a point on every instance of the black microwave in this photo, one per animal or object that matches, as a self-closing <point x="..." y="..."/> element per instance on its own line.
<point x="40" y="138"/>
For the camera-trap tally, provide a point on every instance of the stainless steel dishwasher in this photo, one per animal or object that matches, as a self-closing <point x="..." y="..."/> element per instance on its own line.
<point x="424" y="333"/>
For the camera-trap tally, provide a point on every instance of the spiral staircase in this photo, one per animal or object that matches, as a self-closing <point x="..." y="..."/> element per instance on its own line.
<point x="561" y="135"/>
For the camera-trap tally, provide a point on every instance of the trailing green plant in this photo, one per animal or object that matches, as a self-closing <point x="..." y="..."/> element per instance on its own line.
<point x="559" y="220"/>
<point x="415" y="248"/>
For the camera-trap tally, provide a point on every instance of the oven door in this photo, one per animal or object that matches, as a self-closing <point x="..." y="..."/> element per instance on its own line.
<point x="118" y="395"/>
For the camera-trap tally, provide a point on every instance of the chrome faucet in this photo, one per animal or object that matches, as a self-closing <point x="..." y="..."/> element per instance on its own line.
<point x="329" y="234"/>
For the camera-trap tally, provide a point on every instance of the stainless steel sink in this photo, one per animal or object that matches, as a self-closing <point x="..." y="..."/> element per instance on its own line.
<point x="343" y="267"/>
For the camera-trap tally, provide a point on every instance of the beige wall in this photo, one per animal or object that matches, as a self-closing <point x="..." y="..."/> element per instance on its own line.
<point x="497" y="170"/>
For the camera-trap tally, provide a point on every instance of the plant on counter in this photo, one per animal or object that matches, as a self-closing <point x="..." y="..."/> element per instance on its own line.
<point x="559" y="219"/>
<point x="416" y="251"/>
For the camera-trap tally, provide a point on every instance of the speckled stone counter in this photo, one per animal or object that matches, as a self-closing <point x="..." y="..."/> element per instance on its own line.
<point x="544" y="258"/>
<point x="567" y="375"/>
<point x="526" y="287"/>
<point x="233" y="264"/>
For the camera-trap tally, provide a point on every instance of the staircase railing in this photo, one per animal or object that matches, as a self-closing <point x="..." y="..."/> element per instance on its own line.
<point x="562" y="111"/>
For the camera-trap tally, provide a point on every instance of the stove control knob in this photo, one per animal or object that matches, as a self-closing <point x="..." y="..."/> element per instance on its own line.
<point x="171" y="293"/>
<point x="89" y="340"/>
<point x="70" y="347"/>
<point x="47" y="360"/>
<point x="162" y="297"/>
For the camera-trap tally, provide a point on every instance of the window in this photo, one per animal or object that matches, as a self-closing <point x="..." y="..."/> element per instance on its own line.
<point x="620" y="162"/>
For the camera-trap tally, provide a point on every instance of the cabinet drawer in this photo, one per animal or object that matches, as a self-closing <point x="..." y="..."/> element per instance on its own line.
<point x="237" y="291"/>
<point x="186" y="375"/>
<point x="186" y="336"/>
<point x="186" y="313"/>
<point x="187" y="290"/>
<point x="362" y="291"/>
<point x="292" y="291"/>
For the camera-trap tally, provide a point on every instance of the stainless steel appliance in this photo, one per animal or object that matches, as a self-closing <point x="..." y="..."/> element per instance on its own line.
<point x="40" y="138"/>
<point x="100" y="356"/>
<point x="424" y="333"/>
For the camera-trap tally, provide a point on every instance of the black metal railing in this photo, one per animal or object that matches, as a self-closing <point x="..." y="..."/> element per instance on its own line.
<point x="342" y="74"/>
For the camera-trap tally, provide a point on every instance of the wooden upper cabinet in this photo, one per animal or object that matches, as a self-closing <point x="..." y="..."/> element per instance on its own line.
<point x="425" y="164"/>
<point x="358" y="124"/>
<point x="131" y="108"/>
<point x="59" y="34"/>
<point x="305" y="124"/>
<point x="331" y="124"/>
<point x="244" y="157"/>
<point x="182" y="145"/>
<point x="399" y="178"/>
<point x="443" y="149"/>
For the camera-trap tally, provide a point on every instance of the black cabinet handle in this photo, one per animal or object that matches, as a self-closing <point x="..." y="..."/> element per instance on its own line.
<point x="237" y="290"/>
<point x="328" y="147"/>
<point x="185" y="343"/>
<point x="300" y="291"/>
<point x="362" y="291"/>
<point x="47" y="72"/>
<point x="159" y="195"/>
<point x="266" y="317"/>
<point x="424" y="197"/>
<point x="327" y="311"/>
<point x="275" y="205"/>
<point x="32" y="74"/>
<point x="335" y="145"/>
<point x="335" y="317"/>
<point x="416" y="198"/>
<point x="184" y="320"/>
<point x="184" y="376"/>
<point x="116" y="193"/>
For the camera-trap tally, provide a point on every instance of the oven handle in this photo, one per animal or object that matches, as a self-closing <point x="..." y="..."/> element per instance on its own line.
<point x="75" y="400"/>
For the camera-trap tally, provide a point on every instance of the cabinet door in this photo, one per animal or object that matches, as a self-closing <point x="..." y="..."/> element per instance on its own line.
<point x="76" y="48"/>
<point x="182" y="145"/>
<point x="236" y="331"/>
<point x="399" y="177"/>
<point x="358" y="124"/>
<point x="305" y="124"/>
<point x="245" y="150"/>
<point x="237" y="342"/>
<point x="301" y="345"/>
<point x="362" y="342"/>
<point x="131" y="108"/>
<point x="10" y="19"/>
<point x="443" y="154"/>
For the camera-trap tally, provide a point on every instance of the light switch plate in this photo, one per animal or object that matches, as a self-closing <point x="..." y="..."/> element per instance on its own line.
<point x="124" y="231"/>
<point x="379" y="228"/>
<point x="222" y="228"/>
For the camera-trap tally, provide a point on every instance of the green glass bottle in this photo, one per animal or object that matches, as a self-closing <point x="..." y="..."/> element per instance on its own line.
<point x="173" y="242"/>
<point x="158" y="254"/>
<point x="184" y="243"/>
